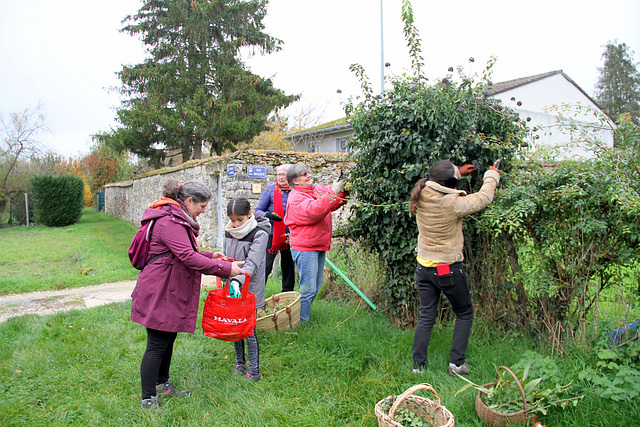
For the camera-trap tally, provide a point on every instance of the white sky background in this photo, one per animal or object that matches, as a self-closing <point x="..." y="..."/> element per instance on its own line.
<point x="65" y="53"/>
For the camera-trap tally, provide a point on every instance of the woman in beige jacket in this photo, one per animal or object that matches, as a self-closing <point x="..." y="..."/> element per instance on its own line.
<point x="439" y="208"/>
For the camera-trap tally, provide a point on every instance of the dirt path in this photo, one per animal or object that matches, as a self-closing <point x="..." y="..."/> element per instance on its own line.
<point x="49" y="302"/>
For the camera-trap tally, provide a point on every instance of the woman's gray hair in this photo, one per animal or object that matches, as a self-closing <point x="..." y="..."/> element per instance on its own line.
<point x="198" y="191"/>
<point x="294" y="171"/>
<point x="284" y="167"/>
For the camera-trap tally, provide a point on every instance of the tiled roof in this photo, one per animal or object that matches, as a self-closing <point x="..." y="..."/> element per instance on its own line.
<point x="512" y="84"/>
<point x="497" y="88"/>
<point x="325" y="128"/>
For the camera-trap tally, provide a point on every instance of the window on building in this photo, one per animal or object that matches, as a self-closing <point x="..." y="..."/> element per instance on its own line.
<point x="342" y="144"/>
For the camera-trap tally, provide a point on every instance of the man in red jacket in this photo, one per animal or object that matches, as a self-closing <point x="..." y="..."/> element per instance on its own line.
<point x="308" y="217"/>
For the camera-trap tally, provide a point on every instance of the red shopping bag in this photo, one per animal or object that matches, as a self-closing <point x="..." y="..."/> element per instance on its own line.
<point x="226" y="318"/>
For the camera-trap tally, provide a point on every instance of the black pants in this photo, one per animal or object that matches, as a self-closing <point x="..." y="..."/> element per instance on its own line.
<point x="156" y="361"/>
<point x="456" y="288"/>
<point x="287" y="267"/>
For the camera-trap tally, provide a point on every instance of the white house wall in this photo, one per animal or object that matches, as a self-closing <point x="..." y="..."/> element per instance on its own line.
<point x="325" y="143"/>
<point x="539" y="97"/>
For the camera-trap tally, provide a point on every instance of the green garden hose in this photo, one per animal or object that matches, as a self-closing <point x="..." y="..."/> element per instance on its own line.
<point x="350" y="283"/>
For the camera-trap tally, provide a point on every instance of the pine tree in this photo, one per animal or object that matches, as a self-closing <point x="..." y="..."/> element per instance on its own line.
<point x="194" y="91"/>
<point x="618" y="87"/>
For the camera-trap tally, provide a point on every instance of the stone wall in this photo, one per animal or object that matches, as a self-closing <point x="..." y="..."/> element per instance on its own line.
<point x="227" y="176"/>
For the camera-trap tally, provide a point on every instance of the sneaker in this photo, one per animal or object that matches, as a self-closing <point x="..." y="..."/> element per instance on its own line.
<point x="253" y="376"/>
<point x="419" y="369"/>
<point x="455" y="370"/>
<point x="168" y="389"/>
<point x="240" y="369"/>
<point x="150" y="404"/>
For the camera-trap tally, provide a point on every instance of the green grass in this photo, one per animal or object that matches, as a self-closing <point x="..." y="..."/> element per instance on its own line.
<point x="82" y="367"/>
<point x="90" y="252"/>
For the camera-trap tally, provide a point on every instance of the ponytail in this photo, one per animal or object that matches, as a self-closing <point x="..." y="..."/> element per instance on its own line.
<point x="415" y="195"/>
<point x="171" y="188"/>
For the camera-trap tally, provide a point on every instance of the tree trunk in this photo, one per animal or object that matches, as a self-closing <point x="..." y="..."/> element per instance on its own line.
<point x="186" y="148"/>
<point x="197" y="149"/>
<point x="515" y="265"/>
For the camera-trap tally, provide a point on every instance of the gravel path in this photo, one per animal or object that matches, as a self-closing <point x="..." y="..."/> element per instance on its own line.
<point x="49" y="302"/>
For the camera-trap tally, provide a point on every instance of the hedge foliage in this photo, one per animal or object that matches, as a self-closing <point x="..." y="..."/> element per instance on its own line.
<point x="397" y="136"/>
<point x="560" y="232"/>
<point x="568" y="232"/>
<point x="59" y="199"/>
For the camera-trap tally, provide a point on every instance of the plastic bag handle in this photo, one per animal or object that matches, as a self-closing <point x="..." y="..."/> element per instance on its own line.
<point x="245" y="287"/>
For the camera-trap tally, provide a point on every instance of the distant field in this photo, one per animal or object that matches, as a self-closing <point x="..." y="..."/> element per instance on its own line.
<point x="90" y="252"/>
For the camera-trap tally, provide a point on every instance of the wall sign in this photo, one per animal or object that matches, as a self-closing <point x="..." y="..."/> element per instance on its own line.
<point x="256" y="172"/>
<point x="231" y="170"/>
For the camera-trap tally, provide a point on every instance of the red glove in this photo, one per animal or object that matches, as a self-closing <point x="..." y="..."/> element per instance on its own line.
<point x="466" y="169"/>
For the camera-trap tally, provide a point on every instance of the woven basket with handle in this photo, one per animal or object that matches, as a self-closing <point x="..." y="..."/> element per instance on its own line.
<point x="284" y="312"/>
<point x="495" y="418"/>
<point x="431" y="411"/>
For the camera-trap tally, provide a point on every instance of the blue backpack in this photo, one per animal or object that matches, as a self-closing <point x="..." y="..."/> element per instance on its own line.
<point x="139" y="249"/>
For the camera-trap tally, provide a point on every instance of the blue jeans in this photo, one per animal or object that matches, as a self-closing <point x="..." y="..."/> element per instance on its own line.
<point x="456" y="288"/>
<point x="311" y="267"/>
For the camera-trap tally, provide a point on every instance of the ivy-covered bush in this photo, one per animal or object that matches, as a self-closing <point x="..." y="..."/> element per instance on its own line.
<point x="397" y="136"/>
<point x="559" y="233"/>
<point x="59" y="199"/>
<point x="568" y="228"/>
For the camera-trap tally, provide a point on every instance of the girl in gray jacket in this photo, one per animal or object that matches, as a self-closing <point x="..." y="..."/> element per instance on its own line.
<point x="246" y="237"/>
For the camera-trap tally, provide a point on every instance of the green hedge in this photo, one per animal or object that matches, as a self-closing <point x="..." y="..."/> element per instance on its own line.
<point x="59" y="199"/>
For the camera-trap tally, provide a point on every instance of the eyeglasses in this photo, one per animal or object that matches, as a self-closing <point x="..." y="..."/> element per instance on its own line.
<point x="305" y="173"/>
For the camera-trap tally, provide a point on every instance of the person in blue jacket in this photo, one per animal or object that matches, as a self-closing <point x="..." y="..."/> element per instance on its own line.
<point x="273" y="205"/>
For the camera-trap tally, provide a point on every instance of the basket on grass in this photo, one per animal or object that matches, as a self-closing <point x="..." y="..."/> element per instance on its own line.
<point x="495" y="418"/>
<point x="429" y="411"/>
<point x="284" y="312"/>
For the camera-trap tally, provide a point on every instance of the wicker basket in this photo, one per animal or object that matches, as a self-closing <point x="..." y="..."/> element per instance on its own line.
<point x="431" y="411"/>
<point x="495" y="418"/>
<point x="284" y="318"/>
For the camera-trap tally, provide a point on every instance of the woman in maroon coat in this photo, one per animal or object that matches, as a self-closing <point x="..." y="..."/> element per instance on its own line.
<point x="167" y="293"/>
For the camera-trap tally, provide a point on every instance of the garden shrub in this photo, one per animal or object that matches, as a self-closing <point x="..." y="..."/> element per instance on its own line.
<point x="569" y="228"/>
<point x="615" y="372"/>
<point x="59" y="199"/>
<point x="558" y="233"/>
<point x="397" y="136"/>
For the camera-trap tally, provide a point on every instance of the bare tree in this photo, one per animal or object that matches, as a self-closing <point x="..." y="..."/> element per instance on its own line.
<point x="19" y="135"/>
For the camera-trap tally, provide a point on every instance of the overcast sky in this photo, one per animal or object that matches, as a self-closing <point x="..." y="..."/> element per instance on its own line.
<point x="64" y="53"/>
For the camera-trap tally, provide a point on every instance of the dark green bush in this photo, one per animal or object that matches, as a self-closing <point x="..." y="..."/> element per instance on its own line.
<point x="59" y="199"/>
<point x="397" y="136"/>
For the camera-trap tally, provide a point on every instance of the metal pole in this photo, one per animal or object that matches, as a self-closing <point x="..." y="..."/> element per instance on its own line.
<point x="350" y="283"/>
<point x="381" y="50"/>
<point x="26" y="206"/>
